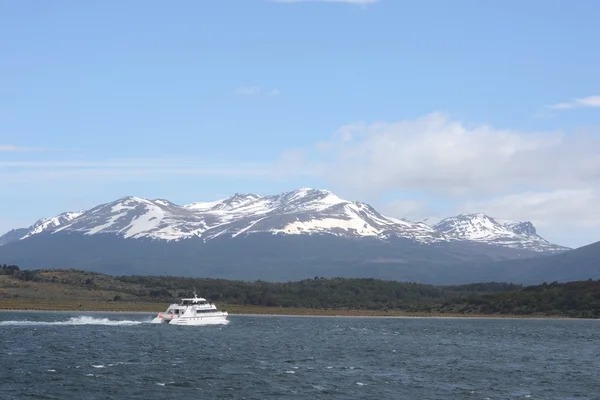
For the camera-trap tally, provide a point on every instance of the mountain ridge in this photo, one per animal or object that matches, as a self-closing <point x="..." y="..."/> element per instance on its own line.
<point x="303" y="211"/>
<point x="479" y="227"/>
<point x="288" y="236"/>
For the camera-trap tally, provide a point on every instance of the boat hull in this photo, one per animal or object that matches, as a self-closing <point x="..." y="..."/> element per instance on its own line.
<point x="218" y="319"/>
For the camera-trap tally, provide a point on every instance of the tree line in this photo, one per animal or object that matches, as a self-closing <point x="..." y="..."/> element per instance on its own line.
<point x="576" y="299"/>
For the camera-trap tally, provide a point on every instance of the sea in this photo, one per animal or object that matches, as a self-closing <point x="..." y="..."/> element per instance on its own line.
<point x="59" y="355"/>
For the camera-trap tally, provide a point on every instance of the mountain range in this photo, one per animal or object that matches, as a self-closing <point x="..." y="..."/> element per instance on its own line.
<point x="292" y="235"/>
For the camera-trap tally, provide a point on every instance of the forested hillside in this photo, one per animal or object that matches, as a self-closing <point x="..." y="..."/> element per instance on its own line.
<point x="574" y="299"/>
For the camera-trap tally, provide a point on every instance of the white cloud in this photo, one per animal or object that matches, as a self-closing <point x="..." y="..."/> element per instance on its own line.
<point x="166" y="163"/>
<point x="569" y="217"/>
<point x="412" y="210"/>
<point x="550" y="178"/>
<point x="12" y="148"/>
<point x="545" y="177"/>
<point x="577" y="207"/>
<point x="590" y="101"/>
<point x="247" y="91"/>
<point x="440" y="156"/>
<point x="255" y="91"/>
<point x="328" y="1"/>
<point x="128" y="170"/>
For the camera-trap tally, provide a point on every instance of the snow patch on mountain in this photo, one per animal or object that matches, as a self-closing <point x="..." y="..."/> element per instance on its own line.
<point x="47" y="224"/>
<point x="481" y="228"/>
<point x="135" y="217"/>
<point x="305" y="211"/>
<point x="328" y="225"/>
<point x="300" y="212"/>
<point x="203" y="205"/>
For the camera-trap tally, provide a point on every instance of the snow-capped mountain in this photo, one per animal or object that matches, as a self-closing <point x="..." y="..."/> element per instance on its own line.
<point x="48" y="224"/>
<point x="299" y="212"/>
<point x="303" y="211"/>
<point x="481" y="228"/>
<point x="134" y="217"/>
<point x="41" y="225"/>
<point x="293" y="235"/>
<point x="12" y="235"/>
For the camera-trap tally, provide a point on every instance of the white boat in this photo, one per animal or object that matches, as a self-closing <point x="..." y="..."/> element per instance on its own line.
<point x="192" y="311"/>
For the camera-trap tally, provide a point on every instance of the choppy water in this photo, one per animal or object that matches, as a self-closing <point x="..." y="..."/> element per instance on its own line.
<point x="122" y="356"/>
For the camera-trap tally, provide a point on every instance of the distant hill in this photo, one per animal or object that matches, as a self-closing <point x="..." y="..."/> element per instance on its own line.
<point x="260" y="256"/>
<point x="578" y="264"/>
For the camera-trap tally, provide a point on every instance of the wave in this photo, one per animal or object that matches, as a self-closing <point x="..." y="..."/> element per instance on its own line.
<point x="84" y="320"/>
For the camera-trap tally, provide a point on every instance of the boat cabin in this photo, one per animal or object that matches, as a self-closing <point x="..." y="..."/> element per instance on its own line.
<point x="197" y="301"/>
<point x="195" y="305"/>
<point x="192" y="311"/>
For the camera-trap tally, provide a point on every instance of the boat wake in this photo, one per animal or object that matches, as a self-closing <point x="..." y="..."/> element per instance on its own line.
<point x="77" y="321"/>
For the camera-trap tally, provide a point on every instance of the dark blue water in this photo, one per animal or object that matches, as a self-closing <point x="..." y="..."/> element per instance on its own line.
<point x="117" y="356"/>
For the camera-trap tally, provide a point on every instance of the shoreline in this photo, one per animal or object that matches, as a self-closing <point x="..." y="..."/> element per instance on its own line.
<point x="307" y="313"/>
<point x="432" y="316"/>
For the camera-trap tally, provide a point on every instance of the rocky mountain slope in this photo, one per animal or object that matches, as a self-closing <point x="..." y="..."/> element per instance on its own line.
<point x="300" y="212"/>
<point x="484" y="229"/>
<point x="291" y="235"/>
<point x="51" y="224"/>
<point x="13" y="235"/>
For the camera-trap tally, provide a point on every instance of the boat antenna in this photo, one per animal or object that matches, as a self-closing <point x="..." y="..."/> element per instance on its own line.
<point x="195" y="292"/>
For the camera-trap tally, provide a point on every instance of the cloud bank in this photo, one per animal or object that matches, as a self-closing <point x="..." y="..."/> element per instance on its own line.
<point x="550" y="178"/>
<point x="438" y="155"/>
<point x="590" y="101"/>
<point x="446" y="165"/>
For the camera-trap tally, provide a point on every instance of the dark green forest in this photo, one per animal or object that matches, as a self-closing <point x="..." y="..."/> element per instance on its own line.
<point x="572" y="299"/>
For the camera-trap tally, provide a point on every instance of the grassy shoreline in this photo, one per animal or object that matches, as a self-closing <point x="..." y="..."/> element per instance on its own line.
<point x="150" y="308"/>
<point x="74" y="290"/>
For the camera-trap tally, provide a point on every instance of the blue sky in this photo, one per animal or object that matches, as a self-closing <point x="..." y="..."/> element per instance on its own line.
<point x="423" y="109"/>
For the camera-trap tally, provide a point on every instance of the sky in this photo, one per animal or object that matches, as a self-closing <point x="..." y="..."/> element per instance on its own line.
<point x="423" y="109"/>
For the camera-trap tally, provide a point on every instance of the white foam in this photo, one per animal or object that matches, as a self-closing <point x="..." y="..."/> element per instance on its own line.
<point x="84" y="320"/>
